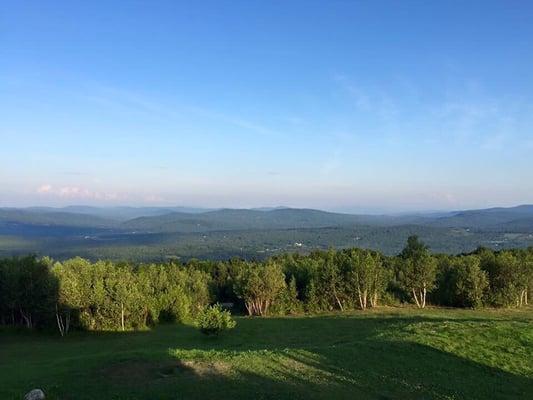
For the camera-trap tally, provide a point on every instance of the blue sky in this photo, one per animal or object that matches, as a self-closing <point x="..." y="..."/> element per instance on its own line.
<point x="342" y="105"/>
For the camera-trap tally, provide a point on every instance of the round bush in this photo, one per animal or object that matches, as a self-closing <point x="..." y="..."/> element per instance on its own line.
<point x="213" y="320"/>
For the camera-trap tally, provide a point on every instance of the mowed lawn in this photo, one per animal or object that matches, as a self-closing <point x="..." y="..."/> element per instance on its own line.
<point x="390" y="353"/>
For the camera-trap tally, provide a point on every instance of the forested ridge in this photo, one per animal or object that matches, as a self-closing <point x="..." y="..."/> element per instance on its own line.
<point x="146" y="235"/>
<point x="104" y="295"/>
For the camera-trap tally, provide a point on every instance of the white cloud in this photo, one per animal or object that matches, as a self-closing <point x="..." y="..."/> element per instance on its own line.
<point x="44" y="188"/>
<point x="75" y="192"/>
<point x="154" y="199"/>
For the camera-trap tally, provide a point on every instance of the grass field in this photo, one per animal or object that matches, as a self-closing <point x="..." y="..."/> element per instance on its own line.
<point x="390" y="353"/>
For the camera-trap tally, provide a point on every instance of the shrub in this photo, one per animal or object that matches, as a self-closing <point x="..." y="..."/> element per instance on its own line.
<point x="213" y="320"/>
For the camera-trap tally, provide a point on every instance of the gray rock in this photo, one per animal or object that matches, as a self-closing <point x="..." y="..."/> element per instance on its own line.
<point x="35" y="394"/>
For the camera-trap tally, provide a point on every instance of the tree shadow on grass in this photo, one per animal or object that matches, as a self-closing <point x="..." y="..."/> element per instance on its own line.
<point x="333" y="357"/>
<point x="292" y="373"/>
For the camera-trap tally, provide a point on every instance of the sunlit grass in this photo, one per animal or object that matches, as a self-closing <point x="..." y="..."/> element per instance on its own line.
<point x="506" y="345"/>
<point x="391" y="353"/>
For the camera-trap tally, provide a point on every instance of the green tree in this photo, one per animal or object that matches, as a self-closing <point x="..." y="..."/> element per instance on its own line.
<point x="367" y="277"/>
<point x="125" y="297"/>
<point x="505" y="277"/>
<point x="331" y="282"/>
<point x="9" y="291"/>
<point x="417" y="270"/>
<point x="259" y="286"/>
<point x="35" y="291"/>
<point x="469" y="281"/>
<point x="68" y="300"/>
<point x="312" y="300"/>
<point x="288" y="301"/>
<point x="525" y="279"/>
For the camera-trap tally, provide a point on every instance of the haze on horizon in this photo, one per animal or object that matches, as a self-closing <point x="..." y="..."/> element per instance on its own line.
<point x="349" y="106"/>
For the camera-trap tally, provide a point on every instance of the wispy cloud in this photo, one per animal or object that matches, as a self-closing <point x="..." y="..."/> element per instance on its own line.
<point x="465" y="115"/>
<point x="75" y="192"/>
<point x="370" y="100"/>
<point x="232" y="120"/>
<point x="360" y="97"/>
<point x="133" y="102"/>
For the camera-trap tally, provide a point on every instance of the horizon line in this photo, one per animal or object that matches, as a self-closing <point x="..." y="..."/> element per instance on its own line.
<point x="339" y="210"/>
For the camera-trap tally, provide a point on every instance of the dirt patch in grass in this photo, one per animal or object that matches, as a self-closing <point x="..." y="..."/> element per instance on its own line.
<point x="130" y="372"/>
<point x="205" y="369"/>
<point x="138" y="372"/>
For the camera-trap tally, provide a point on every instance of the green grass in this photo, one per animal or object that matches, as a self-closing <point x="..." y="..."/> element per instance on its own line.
<point x="384" y="354"/>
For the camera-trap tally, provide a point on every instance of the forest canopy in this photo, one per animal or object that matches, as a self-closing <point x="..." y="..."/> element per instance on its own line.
<point x="103" y="295"/>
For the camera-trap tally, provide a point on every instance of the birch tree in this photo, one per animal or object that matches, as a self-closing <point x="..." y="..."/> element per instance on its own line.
<point x="331" y="281"/>
<point x="259" y="286"/>
<point x="417" y="270"/>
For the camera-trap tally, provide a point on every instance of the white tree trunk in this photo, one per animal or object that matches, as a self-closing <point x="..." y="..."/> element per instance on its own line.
<point x="338" y="300"/>
<point x="122" y="316"/>
<point x="60" y="324"/>
<point x="416" y="298"/>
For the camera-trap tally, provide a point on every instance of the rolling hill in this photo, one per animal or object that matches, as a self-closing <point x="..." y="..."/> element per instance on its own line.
<point x="182" y="219"/>
<point x="155" y="233"/>
<point x="118" y="213"/>
<point x="243" y="219"/>
<point x="14" y="216"/>
<point x="491" y="218"/>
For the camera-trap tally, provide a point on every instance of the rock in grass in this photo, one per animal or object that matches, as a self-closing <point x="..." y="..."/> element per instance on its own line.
<point x="35" y="394"/>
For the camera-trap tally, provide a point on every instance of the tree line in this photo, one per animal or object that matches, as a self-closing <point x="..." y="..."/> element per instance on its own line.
<point x="76" y="293"/>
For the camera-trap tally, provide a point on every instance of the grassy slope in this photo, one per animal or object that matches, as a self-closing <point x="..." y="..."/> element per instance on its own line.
<point x="384" y="354"/>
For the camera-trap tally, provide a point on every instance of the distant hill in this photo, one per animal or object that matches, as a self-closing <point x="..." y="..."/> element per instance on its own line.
<point x="184" y="219"/>
<point x="161" y="233"/>
<point x="54" y="218"/>
<point x="498" y="218"/>
<point x="246" y="219"/>
<point x="121" y="213"/>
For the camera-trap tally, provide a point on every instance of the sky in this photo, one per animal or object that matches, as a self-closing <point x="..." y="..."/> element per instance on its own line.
<point x="357" y="106"/>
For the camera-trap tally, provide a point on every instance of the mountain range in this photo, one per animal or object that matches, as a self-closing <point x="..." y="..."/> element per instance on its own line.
<point x="185" y="219"/>
<point x="162" y="232"/>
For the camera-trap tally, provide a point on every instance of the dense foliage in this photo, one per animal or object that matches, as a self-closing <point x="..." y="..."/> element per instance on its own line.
<point x="99" y="244"/>
<point x="213" y="320"/>
<point x="122" y="296"/>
